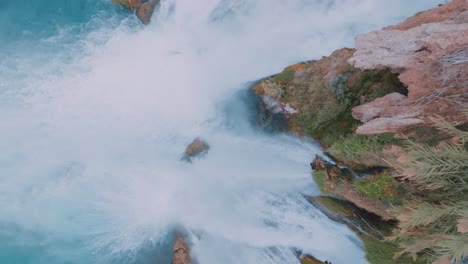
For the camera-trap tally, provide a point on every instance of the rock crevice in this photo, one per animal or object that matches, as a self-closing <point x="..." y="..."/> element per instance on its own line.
<point x="430" y="51"/>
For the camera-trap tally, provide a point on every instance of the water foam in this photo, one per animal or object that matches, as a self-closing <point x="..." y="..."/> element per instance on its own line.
<point x="91" y="137"/>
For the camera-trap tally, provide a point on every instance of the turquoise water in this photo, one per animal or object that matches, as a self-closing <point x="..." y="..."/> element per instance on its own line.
<point x="96" y="110"/>
<point x="24" y="20"/>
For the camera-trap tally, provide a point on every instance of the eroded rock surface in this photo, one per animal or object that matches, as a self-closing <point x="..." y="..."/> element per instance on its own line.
<point x="430" y="51"/>
<point x="181" y="250"/>
<point x="317" y="96"/>
<point x="338" y="181"/>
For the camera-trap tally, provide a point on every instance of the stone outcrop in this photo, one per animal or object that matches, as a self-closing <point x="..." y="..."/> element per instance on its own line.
<point x="333" y="172"/>
<point x="430" y="52"/>
<point x="307" y="259"/>
<point x="143" y="8"/>
<point x="338" y="181"/>
<point x="317" y="96"/>
<point x="197" y="148"/>
<point x="181" y="250"/>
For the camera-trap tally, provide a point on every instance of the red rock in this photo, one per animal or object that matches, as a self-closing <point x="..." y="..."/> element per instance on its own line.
<point x="196" y="148"/>
<point x="387" y="125"/>
<point x="369" y="111"/>
<point x="181" y="251"/>
<point x="448" y="11"/>
<point x="430" y="50"/>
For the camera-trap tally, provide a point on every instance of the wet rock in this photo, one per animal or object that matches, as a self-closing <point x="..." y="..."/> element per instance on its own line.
<point x="143" y="8"/>
<point x="181" y="250"/>
<point x="348" y="213"/>
<point x="197" y="148"/>
<point x="430" y="51"/>
<point x="307" y="259"/>
<point x="319" y="163"/>
<point x="334" y="172"/>
<point x="338" y="181"/>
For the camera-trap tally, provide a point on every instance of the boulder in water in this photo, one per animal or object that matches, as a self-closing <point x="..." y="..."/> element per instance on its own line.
<point x="143" y="8"/>
<point x="308" y="259"/>
<point x="181" y="250"/>
<point x="333" y="172"/>
<point x="197" y="148"/>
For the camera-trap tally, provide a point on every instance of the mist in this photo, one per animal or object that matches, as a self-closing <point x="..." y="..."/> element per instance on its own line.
<point x="92" y="132"/>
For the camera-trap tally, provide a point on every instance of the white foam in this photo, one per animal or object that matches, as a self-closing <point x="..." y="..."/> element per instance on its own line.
<point x="91" y="153"/>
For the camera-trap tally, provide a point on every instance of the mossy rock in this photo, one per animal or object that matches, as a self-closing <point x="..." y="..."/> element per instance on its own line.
<point x="311" y="260"/>
<point x="357" y="219"/>
<point x="324" y="92"/>
<point x="284" y="77"/>
<point x="382" y="252"/>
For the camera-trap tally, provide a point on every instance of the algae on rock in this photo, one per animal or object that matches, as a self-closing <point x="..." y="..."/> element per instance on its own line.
<point x="323" y="93"/>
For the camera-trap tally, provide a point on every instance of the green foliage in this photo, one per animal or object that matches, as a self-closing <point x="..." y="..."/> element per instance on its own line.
<point x="376" y="83"/>
<point x="336" y="206"/>
<point x="319" y="177"/>
<point x="317" y="106"/>
<point x="429" y="223"/>
<point x="357" y="146"/>
<point x="284" y="77"/>
<point x="428" y="135"/>
<point x="383" y="187"/>
<point x="380" y="252"/>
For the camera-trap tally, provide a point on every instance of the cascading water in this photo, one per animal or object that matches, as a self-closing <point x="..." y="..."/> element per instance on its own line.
<point x="96" y="110"/>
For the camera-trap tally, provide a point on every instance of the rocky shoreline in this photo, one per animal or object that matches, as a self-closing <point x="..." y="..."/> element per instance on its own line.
<point x="363" y="104"/>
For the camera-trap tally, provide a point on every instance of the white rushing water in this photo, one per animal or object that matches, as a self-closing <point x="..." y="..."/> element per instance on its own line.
<point x="92" y="132"/>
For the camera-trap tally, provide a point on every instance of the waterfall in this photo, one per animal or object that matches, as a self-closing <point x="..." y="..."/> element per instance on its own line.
<point x="97" y="109"/>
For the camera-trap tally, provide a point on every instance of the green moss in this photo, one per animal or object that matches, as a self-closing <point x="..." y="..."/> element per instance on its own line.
<point x="373" y="84"/>
<point x="375" y="186"/>
<point x="310" y="261"/>
<point x="324" y="109"/>
<point x="380" y="252"/>
<point x="336" y="206"/>
<point x="319" y="178"/>
<point x="358" y="147"/>
<point x="325" y="113"/>
<point x="383" y="187"/>
<point x="284" y="77"/>
<point x="318" y="108"/>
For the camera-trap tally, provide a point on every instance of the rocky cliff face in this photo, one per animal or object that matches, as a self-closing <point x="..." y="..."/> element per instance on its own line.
<point x="430" y="52"/>
<point x="396" y="79"/>
<point x="317" y="96"/>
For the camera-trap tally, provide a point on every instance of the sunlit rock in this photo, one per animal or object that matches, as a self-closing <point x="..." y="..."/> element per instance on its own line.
<point x="197" y="148"/>
<point x="430" y="51"/>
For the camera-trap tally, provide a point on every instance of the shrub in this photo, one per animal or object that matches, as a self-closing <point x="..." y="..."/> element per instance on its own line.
<point x="356" y="146"/>
<point x="383" y="187"/>
<point x="380" y="252"/>
<point x="284" y="77"/>
<point x="435" y="222"/>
